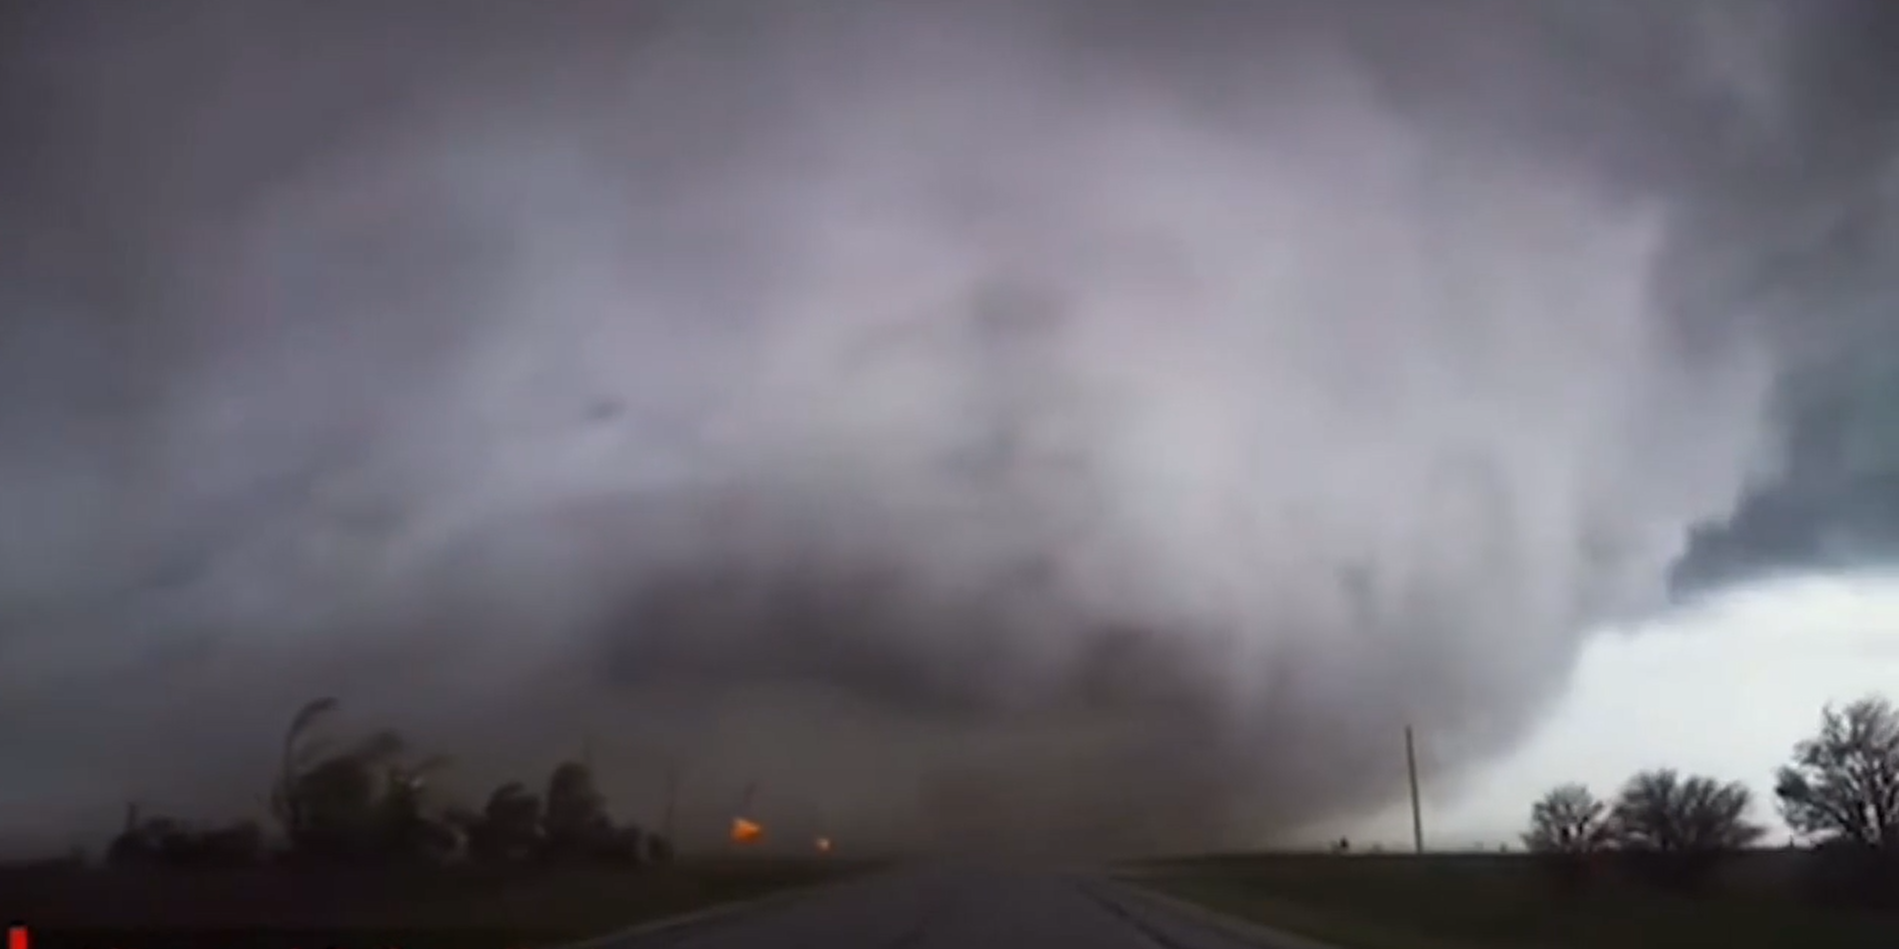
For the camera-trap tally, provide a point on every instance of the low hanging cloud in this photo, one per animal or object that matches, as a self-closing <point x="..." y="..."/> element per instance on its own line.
<point x="1044" y="424"/>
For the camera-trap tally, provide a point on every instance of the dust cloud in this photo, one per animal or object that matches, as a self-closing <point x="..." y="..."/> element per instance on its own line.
<point x="1044" y="425"/>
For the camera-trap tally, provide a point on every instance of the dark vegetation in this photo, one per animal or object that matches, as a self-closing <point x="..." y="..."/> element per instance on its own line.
<point x="369" y="803"/>
<point x="360" y="839"/>
<point x="1671" y="860"/>
<point x="1840" y="795"/>
<point x="1477" y="900"/>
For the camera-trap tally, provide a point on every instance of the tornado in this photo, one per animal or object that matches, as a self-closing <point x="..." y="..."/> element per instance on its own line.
<point x="1042" y="426"/>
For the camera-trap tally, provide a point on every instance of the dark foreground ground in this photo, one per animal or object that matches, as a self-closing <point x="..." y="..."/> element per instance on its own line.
<point x="1763" y="900"/>
<point x="467" y="908"/>
<point x="1350" y="902"/>
<point x="909" y="906"/>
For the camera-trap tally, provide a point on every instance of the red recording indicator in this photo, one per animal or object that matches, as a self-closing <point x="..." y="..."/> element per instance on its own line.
<point x="16" y="937"/>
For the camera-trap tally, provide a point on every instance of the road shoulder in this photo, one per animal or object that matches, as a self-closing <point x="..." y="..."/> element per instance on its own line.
<point x="1137" y="889"/>
<point x="725" y="912"/>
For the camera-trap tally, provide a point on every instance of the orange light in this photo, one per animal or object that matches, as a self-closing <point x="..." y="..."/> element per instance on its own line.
<point x="824" y="845"/>
<point x="745" y="831"/>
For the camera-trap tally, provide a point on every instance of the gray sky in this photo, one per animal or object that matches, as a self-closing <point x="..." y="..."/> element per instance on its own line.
<point x="1045" y="422"/>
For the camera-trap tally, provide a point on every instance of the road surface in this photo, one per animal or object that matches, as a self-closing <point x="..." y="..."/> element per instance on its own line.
<point x="951" y="907"/>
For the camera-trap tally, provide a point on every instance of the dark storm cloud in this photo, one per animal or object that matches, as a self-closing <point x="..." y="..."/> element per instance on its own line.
<point x="1822" y="194"/>
<point x="1024" y="422"/>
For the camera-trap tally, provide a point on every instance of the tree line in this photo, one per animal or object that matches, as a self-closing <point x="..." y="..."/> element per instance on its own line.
<point x="371" y="801"/>
<point x="1839" y="793"/>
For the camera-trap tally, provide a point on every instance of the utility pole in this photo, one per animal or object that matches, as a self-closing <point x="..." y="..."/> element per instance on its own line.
<point x="1417" y="812"/>
<point x="672" y="802"/>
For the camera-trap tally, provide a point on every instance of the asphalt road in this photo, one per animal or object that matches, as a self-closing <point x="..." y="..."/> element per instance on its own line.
<point x="952" y="907"/>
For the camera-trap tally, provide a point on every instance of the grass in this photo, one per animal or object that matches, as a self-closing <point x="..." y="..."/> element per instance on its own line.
<point x="1481" y="901"/>
<point x="475" y="908"/>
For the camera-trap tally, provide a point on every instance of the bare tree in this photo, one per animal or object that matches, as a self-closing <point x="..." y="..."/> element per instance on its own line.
<point x="1843" y="784"/>
<point x="1842" y="791"/>
<point x="1568" y="819"/>
<point x="1678" y="829"/>
<point x="1567" y="825"/>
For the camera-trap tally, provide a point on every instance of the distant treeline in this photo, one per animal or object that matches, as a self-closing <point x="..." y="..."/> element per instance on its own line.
<point x="1839" y="793"/>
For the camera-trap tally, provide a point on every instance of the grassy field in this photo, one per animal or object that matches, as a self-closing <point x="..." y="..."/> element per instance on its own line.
<point x="508" y="908"/>
<point x="1490" y="901"/>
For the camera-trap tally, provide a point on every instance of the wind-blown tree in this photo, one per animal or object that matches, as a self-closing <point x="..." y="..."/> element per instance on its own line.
<point x="1843" y="784"/>
<point x="365" y="802"/>
<point x="576" y="816"/>
<point x="576" y="824"/>
<point x="408" y="812"/>
<point x="340" y="802"/>
<point x="508" y="828"/>
<point x="1678" y="829"/>
<point x="298" y="753"/>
